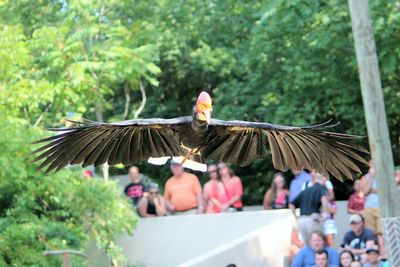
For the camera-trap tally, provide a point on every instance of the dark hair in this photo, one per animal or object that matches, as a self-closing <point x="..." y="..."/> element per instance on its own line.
<point x="272" y="189"/>
<point x="343" y="252"/>
<point x="322" y="251"/>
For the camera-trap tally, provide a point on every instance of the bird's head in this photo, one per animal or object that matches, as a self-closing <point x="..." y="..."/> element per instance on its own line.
<point x="203" y="107"/>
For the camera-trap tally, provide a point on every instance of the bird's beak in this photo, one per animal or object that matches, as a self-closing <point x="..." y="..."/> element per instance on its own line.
<point x="203" y="107"/>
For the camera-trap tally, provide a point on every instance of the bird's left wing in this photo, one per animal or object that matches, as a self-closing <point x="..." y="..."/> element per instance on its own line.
<point x="311" y="147"/>
<point x="95" y="143"/>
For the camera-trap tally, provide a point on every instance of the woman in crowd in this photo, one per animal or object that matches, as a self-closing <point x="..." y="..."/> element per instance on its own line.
<point x="214" y="192"/>
<point x="277" y="196"/>
<point x="153" y="204"/>
<point x="345" y="258"/>
<point x="356" y="202"/>
<point x="233" y="188"/>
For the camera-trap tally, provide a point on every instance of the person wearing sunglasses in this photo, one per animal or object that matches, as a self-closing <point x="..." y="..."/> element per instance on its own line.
<point x="153" y="204"/>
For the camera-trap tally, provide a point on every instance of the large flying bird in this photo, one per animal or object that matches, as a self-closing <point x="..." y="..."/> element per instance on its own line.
<point x="199" y="137"/>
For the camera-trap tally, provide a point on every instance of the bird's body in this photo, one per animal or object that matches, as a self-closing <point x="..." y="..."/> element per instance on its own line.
<point x="201" y="138"/>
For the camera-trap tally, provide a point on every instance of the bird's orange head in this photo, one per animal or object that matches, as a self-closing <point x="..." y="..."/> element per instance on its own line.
<point x="203" y="107"/>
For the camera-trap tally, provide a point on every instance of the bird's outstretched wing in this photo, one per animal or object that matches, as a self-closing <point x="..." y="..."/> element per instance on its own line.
<point x="95" y="143"/>
<point x="311" y="147"/>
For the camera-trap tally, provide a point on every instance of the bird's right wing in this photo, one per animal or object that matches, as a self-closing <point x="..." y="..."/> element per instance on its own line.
<point x="311" y="147"/>
<point x="127" y="142"/>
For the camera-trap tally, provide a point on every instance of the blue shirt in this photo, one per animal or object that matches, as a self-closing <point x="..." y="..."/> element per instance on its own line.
<point x="296" y="184"/>
<point x="306" y="257"/>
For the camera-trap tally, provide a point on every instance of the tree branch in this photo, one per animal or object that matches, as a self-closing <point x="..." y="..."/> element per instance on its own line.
<point x="144" y="99"/>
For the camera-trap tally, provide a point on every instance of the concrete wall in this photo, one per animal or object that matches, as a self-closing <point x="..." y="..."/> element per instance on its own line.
<point x="258" y="238"/>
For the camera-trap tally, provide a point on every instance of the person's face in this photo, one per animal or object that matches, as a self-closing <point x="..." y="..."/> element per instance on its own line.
<point x="372" y="257"/>
<point x="316" y="242"/>
<point x="279" y="182"/>
<point x="345" y="259"/>
<point x="212" y="171"/>
<point x="356" y="226"/>
<point x="321" y="260"/>
<point x="153" y="193"/>
<point x="133" y="173"/>
<point x="223" y="169"/>
<point x="357" y="185"/>
<point x="177" y="169"/>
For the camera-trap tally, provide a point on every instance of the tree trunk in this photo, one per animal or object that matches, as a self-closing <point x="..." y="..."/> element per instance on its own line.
<point x="378" y="133"/>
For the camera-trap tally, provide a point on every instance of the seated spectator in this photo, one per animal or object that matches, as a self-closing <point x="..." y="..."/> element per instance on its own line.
<point x="233" y="187"/>
<point x="277" y="197"/>
<point x="214" y="192"/>
<point x="135" y="189"/>
<point x="153" y="204"/>
<point x="183" y="191"/>
<point x="373" y="257"/>
<point x="311" y="202"/>
<point x="322" y="259"/>
<point x="306" y="256"/>
<point x="346" y="258"/>
<point x="357" y="238"/>
<point x="356" y="202"/>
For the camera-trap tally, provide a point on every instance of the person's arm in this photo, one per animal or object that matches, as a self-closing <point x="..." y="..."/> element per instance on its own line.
<point x="366" y="185"/>
<point x="200" y="203"/>
<point x="159" y="203"/>
<point x="266" y="200"/>
<point x="167" y="195"/>
<point x="143" y="208"/>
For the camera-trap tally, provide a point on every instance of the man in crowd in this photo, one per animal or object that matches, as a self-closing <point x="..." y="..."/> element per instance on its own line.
<point x="306" y="256"/>
<point x="300" y="177"/>
<point x="310" y="202"/>
<point x="373" y="257"/>
<point x="135" y="189"/>
<point x="357" y="239"/>
<point x="183" y="191"/>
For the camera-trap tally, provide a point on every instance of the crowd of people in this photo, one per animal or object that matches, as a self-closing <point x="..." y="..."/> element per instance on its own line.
<point x="310" y="196"/>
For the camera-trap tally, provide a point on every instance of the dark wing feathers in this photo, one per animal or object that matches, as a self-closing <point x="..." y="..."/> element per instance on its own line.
<point x="311" y="147"/>
<point x="123" y="142"/>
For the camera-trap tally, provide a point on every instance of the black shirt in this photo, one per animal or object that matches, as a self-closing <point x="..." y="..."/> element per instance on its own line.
<point x="360" y="241"/>
<point x="134" y="191"/>
<point x="309" y="200"/>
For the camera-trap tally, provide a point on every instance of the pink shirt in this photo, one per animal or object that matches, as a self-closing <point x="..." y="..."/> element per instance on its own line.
<point x="233" y="188"/>
<point x="216" y="190"/>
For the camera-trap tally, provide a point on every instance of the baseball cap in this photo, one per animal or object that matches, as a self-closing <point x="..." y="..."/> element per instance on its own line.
<point x="355" y="218"/>
<point x="372" y="249"/>
<point x="175" y="161"/>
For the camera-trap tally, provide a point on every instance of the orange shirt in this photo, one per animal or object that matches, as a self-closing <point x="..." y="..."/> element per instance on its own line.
<point x="233" y="188"/>
<point x="181" y="191"/>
